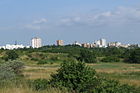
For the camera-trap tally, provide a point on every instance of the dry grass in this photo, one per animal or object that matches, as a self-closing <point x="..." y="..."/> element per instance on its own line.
<point x="23" y="87"/>
<point x="125" y="73"/>
<point x="130" y="82"/>
<point x="27" y="90"/>
<point x="117" y="71"/>
<point x="39" y="72"/>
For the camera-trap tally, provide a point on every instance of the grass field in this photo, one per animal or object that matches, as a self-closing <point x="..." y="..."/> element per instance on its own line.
<point x="125" y="73"/>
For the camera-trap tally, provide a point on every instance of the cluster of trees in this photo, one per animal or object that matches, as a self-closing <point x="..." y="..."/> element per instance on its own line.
<point x="87" y="55"/>
<point x="10" y="55"/>
<point x="92" y="55"/>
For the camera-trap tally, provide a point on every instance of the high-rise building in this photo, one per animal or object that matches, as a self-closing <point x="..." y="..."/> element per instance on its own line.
<point x="100" y="43"/>
<point x="114" y="44"/>
<point x="77" y="43"/>
<point x="60" y="42"/>
<point x="87" y="45"/>
<point x="36" y="42"/>
<point x="103" y="42"/>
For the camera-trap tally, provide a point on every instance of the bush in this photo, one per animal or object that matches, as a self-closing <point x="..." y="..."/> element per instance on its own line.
<point x="38" y="84"/>
<point x="10" y="55"/>
<point x="87" y="56"/>
<point x="54" y="58"/>
<point x="44" y="62"/>
<point x="110" y="59"/>
<point x="75" y="76"/>
<point x="78" y="78"/>
<point x="34" y="59"/>
<point x="112" y="86"/>
<point x="10" y="70"/>
<point x="134" y="56"/>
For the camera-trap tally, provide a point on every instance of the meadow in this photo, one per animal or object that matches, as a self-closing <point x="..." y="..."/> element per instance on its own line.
<point x="125" y="73"/>
<point x="40" y="64"/>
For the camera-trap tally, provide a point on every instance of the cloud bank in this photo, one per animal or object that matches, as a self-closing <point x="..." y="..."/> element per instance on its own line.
<point x="120" y="16"/>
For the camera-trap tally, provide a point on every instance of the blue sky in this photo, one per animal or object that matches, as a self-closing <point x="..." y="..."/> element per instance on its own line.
<point x="69" y="20"/>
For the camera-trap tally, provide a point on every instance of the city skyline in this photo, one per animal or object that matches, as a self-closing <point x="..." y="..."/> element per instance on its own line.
<point x="36" y="42"/>
<point x="74" y="20"/>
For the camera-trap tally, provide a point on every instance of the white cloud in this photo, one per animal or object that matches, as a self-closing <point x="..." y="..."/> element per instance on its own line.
<point x="120" y="16"/>
<point x="41" y="21"/>
<point x="33" y="27"/>
<point x="37" y="24"/>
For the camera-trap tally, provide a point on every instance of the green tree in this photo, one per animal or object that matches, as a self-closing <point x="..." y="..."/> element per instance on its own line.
<point x="134" y="56"/>
<point x="11" y="55"/>
<point x="87" y="56"/>
<point x="75" y="76"/>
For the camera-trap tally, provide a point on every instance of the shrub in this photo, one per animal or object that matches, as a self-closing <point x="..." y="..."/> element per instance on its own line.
<point x="134" y="56"/>
<point x="78" y="78"/>
<point x="11" y="55"/>
<point x="112" y="86"/>
<point x="75" y="76"/>
<point x="54" y="58"/>
<point x="110" y="59"/>
<point x="10" y="70"/>
<point x="87" y="56"/>
<point x="38" y="84"/>
<point x="34" y="59"/>
<point x="44" y="62"/>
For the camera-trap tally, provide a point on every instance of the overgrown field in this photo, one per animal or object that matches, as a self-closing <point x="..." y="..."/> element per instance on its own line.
<point x="125" y="73"/>
<point x="111" y="63"/>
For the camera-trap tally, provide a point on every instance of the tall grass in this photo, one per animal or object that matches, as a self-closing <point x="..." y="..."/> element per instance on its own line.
<point x="23" y="87"/>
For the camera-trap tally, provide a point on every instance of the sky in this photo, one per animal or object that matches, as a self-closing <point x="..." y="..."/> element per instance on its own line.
<point x="69" y="20"/>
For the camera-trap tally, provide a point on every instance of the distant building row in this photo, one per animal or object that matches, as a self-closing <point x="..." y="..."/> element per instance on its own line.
<point x="102" y="43"/>
<point x="36" y="42"/>
<point x="98" y="43"/>
<point x="11" y="47"/>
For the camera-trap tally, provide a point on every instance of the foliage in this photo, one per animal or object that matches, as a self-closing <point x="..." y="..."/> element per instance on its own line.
<point x="110" y="59"/>
<point x="38" y="84"/>
<point x="112" y="86"/>
<point x="60" y="53"/>
<point x="74" y="76"/>
<point x="44" y="62"/>
<point x="11" y="55"/>
<point x="87" y="56"/>
<point x="79" y="78"/>
<point x="10" y="70"/>
<point x="134" y="56"/>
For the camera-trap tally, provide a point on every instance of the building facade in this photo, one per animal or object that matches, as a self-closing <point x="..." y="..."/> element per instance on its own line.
<point x="101" y="43"/>
<point x="60" y="42"/>
<point x="36" y="42"/>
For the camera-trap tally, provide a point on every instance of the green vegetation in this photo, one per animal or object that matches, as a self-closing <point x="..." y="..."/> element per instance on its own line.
<point x="95" y="70"/>
<point x="79" y="78"/>
<point x="134" y="56"/>
<point x="10" y="55"/>
<point x="10" y="70"/>
<point x="75" y="76"/>
<point x="110" y="59"/>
